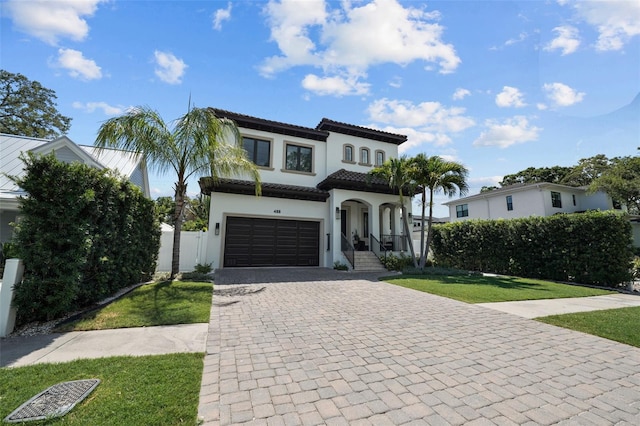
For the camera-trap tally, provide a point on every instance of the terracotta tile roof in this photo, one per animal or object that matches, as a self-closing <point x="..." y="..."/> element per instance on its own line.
<point x="362" y="132"/>
<point x="275" y="190"/>
<point x="256" y="123"/>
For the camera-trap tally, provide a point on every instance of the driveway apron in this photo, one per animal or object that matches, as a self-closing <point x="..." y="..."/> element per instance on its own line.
<point x="368" y="352"/>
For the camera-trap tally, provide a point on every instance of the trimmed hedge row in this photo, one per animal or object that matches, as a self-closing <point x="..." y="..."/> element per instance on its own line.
<point x="588" y="248"/>
<point x="83" y="234"/>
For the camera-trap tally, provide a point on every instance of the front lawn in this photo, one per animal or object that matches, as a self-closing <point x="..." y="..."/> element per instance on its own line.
<point x="484" y="289"/>
<point x="150" y="390"/>
<point x="621" y="325"/>
<point x="161" y="303"/>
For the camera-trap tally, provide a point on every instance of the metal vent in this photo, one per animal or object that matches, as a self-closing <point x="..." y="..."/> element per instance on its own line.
<point x="55" y="401"/>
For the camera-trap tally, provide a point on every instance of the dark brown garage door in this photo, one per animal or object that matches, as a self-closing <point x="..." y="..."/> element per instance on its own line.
<point x="271" y="242"/>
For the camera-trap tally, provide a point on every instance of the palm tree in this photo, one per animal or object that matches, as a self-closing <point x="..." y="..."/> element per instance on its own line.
<point x="434" y="174"/>
<point x="194" y="143"/>
<point x="398" y="174"/>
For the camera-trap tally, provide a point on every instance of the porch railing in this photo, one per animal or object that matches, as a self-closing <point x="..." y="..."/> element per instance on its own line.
<point x="348" y="250"/>
<point x="377" y="247"/>
<point x="394" y="242"/>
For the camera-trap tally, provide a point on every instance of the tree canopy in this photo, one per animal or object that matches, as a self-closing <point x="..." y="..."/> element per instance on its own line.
<point x="621" y="182"/>
<point x="29" y="109"/>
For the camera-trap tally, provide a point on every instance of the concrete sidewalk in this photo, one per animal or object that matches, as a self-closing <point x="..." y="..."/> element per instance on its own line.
<point x="546" y="307"/>
<point x="62" y="347"/>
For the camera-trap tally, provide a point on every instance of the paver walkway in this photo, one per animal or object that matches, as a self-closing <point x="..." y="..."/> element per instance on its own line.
<point x="366" y="352"/>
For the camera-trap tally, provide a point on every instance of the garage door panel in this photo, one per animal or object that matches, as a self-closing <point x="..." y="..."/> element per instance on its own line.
<point x="271" y="242"/>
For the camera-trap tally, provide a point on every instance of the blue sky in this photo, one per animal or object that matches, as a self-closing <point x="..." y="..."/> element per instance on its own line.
<point x="496" y="85"/>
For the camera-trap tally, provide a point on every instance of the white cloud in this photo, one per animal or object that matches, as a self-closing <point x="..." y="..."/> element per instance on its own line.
<point x="562" y="95"/>
<point x="77" y="65"/>
<point x="541" y="106"/>
<point x="341" y="41"/>
<point x="460" y="93"/>
<point x="512" y="131"/>
<point x="616" y="21"/>
<point x="105" y="107"/>
<point x="567" y="40"/>
<point x="169" y="68"/>
<point x="510" y="97"/>
<point x="337" y="86"/>
<point x="220" y="16"/>
<point x="427" y="122"/>
<point x="396" y="82"/>
<point x="51" y="20"/>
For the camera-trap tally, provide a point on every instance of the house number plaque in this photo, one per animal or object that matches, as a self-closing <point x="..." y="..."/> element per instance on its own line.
<point x="277" y="211"/>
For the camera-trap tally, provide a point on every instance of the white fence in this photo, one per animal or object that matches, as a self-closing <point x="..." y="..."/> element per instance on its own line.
<point x="193" y="250"/>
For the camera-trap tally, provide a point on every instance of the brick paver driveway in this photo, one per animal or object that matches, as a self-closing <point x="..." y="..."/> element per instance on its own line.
<point x="367" y="352"/>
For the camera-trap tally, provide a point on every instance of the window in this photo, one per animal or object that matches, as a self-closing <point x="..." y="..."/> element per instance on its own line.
<point x="573" y="197"/>
<point x="364" y="156"/>
<point x="462" y="210"/>
<point x="348" y="153"/>
<point x="299" y="158"/>
<point x="379" y="158"/>
<point x="509" y="202"/>
<point x="258" y="151"/>
<point x="556" y="199"/>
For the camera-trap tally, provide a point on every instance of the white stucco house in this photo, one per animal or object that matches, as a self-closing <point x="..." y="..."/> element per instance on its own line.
<point x="524" y="200"/>
<point x="537" y="199"/>
<point x="64" y="149"/>
<point x="317" y="199"/>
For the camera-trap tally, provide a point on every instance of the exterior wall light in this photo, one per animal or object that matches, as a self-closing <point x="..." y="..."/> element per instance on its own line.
<point x="217" y="230"/>
<point x="337" y="213"/>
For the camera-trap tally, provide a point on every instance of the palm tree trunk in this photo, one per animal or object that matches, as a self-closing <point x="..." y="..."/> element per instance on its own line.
<point x="181" y="190"/>
<point x="423" y="252"/>
<point x="405" y="221"/>
<point x="430" y="223"/>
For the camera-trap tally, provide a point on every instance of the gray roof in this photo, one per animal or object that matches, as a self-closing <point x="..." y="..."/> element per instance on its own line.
<point x="12" y="146"/>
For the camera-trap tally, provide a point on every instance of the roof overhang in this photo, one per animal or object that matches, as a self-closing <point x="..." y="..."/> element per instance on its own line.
<point x="255" y="123"/>
<point x="273" y="190"/>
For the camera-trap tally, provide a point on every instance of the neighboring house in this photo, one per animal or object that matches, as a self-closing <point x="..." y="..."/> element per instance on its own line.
<point x="536" y="199"/>
<point x="523" y="200"/>
<point x="133" y="168"/>
<point x="317" y="198"/>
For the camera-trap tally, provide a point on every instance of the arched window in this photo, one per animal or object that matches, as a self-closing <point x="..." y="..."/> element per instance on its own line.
<point x="379" y="158"/>
<point x="348" y="153"/>
<point x="364" y="156"/>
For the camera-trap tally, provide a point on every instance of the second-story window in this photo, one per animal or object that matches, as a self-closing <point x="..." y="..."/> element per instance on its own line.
<point x="364" y="156"/>
<point x="258" y="151"/>
<point x="379" y="158"/>
<point x="509" y="202"/>
<point x="299" y="158"/>
<point x="556" y="199"/>
<point x="348" y="153"/>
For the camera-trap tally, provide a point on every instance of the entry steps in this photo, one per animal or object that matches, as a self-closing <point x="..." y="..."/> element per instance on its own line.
<point x="367" y="261"/>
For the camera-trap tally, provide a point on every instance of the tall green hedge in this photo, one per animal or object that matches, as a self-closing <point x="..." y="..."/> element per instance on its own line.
<point x="588" y="248"/>
<point x="83" y="234"/>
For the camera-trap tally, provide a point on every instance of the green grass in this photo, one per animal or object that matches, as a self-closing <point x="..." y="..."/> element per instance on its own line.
<point x="151" y="390"/>
<point x="621" y="325"/>
<point x="163" y="303"/>
<point x="483" y="289"/>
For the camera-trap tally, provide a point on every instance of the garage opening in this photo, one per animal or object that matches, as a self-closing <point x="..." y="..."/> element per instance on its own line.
<point x="256" y="242"/>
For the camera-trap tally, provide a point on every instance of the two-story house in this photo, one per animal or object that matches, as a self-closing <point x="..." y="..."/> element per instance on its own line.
<point x="536" y="199"/>
<point x="64" y="149"/>
<point x="524" y="200"/>
<point x="317" y="197"/>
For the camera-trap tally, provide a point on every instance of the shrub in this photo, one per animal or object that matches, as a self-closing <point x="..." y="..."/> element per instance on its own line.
<point x="84" y="234"/>
<point x="202" y="269"/>
<point x="397" y="263"/>
<point x="340" y="266"/>
<point x="589" y="248"/>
